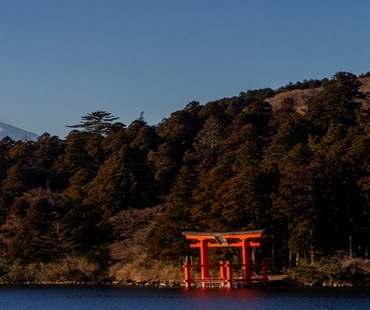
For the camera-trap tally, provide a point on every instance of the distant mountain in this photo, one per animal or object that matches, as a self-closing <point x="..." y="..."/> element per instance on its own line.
<point x="16" y="133"/>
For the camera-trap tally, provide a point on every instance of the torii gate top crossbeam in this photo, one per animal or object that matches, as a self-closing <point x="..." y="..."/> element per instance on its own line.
<point x="220" y="239"/>
<point x="242" y="235"/>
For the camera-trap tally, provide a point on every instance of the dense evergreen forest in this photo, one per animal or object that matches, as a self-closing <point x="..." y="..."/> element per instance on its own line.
<point x="110" y="198"/>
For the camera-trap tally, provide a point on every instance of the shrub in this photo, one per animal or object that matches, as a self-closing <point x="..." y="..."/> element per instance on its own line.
<point x="336" y="270"/>
<point x="341" y="268"/>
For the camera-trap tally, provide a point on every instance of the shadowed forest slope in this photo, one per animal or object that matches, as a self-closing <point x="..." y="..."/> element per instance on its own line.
<point x="110" y="197"/>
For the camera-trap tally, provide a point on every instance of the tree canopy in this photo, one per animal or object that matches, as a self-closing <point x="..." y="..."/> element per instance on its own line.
<point x="233" y="164"/>
<point x="99" y="122"/>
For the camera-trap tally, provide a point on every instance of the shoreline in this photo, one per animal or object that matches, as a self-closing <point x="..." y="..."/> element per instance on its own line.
<point x="275" y="281"/>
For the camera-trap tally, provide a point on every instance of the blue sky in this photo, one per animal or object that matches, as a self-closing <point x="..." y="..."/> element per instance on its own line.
<point x="62" y="59"/>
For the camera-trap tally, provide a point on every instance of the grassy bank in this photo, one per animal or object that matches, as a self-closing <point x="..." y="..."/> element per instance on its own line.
<point x="339" y="270"/>
<point x="79" y="270"/>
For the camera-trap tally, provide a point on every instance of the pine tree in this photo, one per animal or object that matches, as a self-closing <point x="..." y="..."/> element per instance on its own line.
<point x="99" y="122"/>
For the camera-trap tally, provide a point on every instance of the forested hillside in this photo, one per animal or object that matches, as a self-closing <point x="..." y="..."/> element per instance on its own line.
<point x="111" y="199"/>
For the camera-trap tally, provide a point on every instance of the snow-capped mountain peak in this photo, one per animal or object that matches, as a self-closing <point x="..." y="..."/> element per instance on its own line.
<point x="16" y="133"/>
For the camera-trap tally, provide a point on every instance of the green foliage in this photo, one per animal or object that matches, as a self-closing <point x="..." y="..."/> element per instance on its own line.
<point x="257" y="95"/>
<point x="306" y="274"/>
<point x="234" y="164"/>
<point x="312" y="83"/>
<point x="336" y="104"/>
<point x="55" y="243"/>
<point x="30" y="226"/>
<point x="336" y="270"/>
<point x="341" y="269"/>
<point x="99" y="122"/>
<point x="72" y="269"/>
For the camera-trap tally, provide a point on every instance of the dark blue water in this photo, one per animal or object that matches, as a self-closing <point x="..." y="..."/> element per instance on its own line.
<point x="88" y="297"/>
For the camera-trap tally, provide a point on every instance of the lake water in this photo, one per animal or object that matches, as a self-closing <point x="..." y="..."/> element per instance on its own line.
<point x="92" y="297"/>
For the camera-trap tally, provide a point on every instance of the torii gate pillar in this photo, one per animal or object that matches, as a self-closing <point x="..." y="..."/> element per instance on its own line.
<point x="246" y="260"/>
<point x="204" y="260"/>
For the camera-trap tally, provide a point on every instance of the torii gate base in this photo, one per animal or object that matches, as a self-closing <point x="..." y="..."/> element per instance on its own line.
<point x="244" y="240"/>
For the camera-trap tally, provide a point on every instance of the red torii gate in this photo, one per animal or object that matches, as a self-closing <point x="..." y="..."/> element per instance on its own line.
<point x="245" y="240"/>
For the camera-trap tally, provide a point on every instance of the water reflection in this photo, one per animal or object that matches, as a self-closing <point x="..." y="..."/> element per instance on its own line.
<point x="91" y="297"/>
<point x="281" y="298"/>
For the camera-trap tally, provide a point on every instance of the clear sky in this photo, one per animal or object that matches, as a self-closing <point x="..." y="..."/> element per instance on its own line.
<point x="62" y="59"/>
